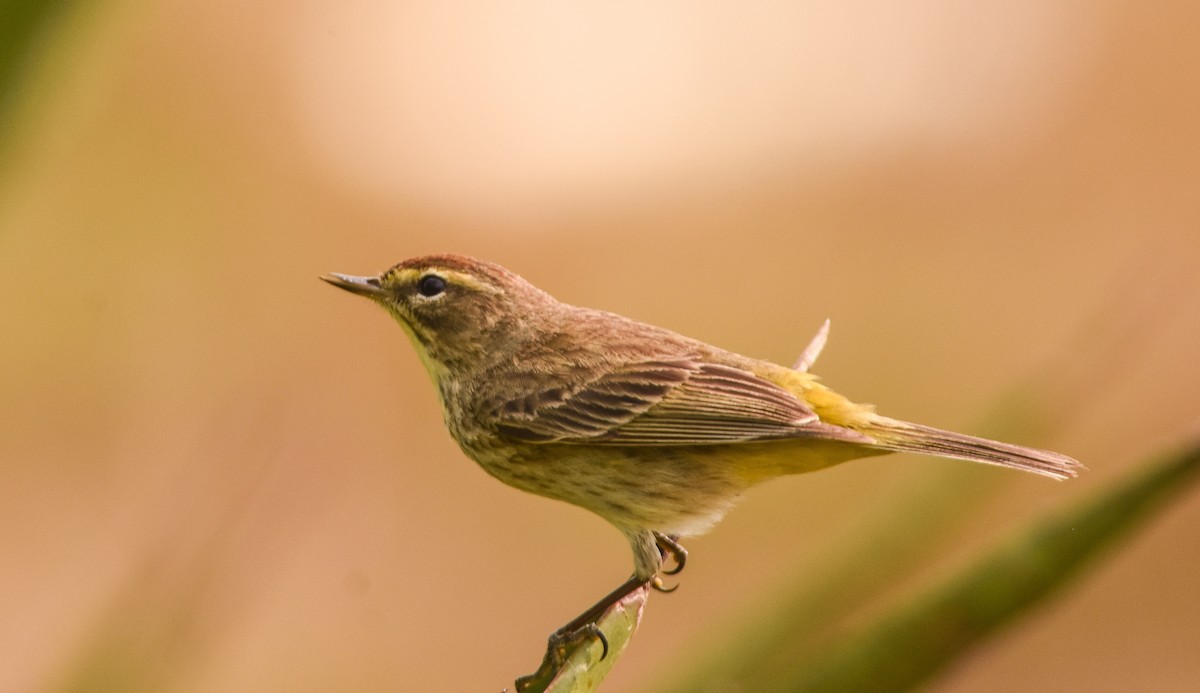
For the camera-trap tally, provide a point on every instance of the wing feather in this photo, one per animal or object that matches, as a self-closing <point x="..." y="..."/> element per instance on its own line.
<point x="681" y="401"/>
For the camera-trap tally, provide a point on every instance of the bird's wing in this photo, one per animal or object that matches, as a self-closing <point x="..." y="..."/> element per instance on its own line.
<point x="678" y="401"/>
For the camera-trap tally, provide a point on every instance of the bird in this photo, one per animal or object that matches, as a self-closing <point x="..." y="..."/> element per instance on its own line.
<point x="657" y="433"/>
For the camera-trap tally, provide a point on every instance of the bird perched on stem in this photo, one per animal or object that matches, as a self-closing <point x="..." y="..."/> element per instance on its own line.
<point x="655" y="432"/>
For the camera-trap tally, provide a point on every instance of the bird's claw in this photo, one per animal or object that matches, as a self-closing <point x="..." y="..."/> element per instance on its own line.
<point x="669" y="545"/>
<point x="558" y="648"/>
<point x="565" y="641"/>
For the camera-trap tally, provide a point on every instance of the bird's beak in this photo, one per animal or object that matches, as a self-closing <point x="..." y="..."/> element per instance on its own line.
<point x="363" y="286"/>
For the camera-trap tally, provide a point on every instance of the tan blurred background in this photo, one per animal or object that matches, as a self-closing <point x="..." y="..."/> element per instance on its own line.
<point x="219" y="474"/>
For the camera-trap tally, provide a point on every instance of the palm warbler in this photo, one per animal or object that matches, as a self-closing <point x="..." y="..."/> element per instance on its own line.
<point x="655" y="432"/>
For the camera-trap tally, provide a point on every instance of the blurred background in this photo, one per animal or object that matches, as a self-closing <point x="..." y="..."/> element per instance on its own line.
<point x="219" y="474"/>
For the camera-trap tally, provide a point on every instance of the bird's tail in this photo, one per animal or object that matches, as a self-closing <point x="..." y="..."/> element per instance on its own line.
<point x="901" y="436"/>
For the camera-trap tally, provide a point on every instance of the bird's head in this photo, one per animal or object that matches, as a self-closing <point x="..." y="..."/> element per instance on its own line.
<point x="461" y="313"/>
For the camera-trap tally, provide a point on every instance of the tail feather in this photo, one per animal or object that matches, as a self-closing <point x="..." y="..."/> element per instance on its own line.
<point x="901" y="436"/>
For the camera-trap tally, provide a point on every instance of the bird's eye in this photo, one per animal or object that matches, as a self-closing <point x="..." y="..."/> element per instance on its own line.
<point x="431" y="285"/>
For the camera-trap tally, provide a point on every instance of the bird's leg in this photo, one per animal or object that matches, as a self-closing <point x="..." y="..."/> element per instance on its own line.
<point x="585" y="624"/>
<point x="649" y="550"/>
<point x="581" y="629"/>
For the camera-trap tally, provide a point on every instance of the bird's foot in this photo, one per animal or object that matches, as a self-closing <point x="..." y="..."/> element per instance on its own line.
<point x="559" y="647"/>
<point x="579" y="632"/>
<point x="668" y="545"/>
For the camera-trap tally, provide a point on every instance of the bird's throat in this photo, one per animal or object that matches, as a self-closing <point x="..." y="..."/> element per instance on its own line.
<point x="435" y="370"/>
